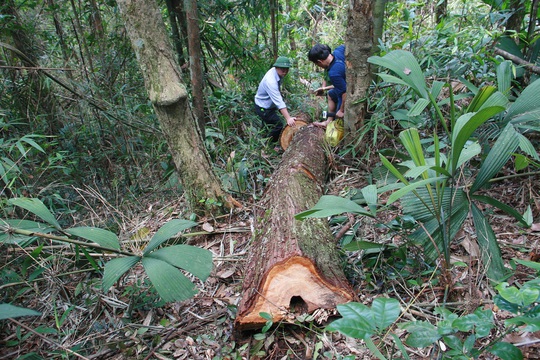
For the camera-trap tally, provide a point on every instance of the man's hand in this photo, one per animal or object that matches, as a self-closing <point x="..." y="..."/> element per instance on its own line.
<point x="340" y="114"/>
<point x="319" y="91"/>
<point x="291" y="121"/>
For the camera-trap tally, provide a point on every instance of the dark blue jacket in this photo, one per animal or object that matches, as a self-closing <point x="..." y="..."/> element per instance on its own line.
<point x="337" y="75"/>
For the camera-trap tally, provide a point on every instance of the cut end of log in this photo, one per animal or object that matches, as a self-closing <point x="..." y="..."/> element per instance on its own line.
<point x="291" y="288"/>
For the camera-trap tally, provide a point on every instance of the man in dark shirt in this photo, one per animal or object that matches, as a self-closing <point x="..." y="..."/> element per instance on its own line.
<point x="334" y="69"/>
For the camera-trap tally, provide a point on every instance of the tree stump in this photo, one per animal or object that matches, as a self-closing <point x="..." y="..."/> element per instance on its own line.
<point x="294" y="267"/>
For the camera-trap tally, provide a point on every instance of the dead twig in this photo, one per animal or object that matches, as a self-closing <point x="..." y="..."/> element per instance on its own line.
<point x="52" y="342"/>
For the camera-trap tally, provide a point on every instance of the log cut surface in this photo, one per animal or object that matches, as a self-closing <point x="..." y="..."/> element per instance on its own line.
<point x="294" y="266"/>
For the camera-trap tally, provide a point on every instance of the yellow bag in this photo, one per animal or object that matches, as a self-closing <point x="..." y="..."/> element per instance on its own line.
<point x="334" y="132"/>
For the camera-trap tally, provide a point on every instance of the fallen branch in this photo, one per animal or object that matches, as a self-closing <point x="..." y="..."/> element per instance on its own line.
<point x="517" y="60"/>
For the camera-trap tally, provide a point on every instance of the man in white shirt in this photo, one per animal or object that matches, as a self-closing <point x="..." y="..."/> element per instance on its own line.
<point x="268" y="99"/>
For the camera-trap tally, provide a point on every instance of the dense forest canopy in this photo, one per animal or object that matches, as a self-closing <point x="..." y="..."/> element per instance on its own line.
<point x="432" y="195"/>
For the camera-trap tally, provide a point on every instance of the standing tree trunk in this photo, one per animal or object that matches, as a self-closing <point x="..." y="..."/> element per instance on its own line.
<point x="441" y="10"/>
<point x="292" y="41"/>
<point x="515" y="21"/>
<point x="174" y="8"/>
<point x="294" y="267"/>
<point x="274" y="26"/>
<point x="66" y="52"/>
<point x="379" y="8"/>
<point x="531" y="39"/>
<point x="359" y="42"/>
<point x="195" y="56"/>
<point x="169" y="98"/>
<point x="95" y="20"/>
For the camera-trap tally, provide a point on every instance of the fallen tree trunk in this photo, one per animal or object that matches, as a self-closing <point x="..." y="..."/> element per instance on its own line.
<point x="294" y="267"/>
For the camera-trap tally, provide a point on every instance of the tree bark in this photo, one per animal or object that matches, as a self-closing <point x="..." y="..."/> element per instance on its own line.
<point x="529" y="66"/>
<point x="379" y="9"/>
<point x="531" y="39"/>
<point x="195" y="56"/>
<point x="175" y="11"/>
<point x="274" y="26"/>
<point x="66" y="52"/>
<point x="515" y="21"/>
<point x="359" y="44"/>
<point x="441" y="8"/>
<point x="169" y="98"/>
<point x="294" y="267"/>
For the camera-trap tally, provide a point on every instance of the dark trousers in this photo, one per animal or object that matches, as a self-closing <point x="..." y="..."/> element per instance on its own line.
<point x="273" y="121"/>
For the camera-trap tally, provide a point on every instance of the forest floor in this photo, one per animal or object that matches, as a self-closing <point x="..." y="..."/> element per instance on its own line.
<point x="128" y="323"/>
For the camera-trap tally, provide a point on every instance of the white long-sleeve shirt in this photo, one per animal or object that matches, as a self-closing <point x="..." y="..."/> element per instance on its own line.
<point x="268" y="94"/>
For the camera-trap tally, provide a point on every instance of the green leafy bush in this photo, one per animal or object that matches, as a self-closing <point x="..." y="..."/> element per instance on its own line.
<point x="163" y="265"/>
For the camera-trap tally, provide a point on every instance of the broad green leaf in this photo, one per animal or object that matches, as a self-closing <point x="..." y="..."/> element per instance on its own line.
<point x="393" y="170"/>
<point x="453" y="342"/>
<point x="480" y="98"/>
<point x="504" y="76"/>
<point x="506" y="208"/>
<point x="490" y="251"/>
<point x="391" y="79"/>
<point x="526" y="103"/>
<point x="366" y="245"/>
<point x="521" y="297"/>
<point x="498" y="99"/>
<point x="505" y="350"/>
<point x="440" y="171"/>
<point x="527" y="147"/>
<point x="195" y="260"/>
<point x="36" y="207"/>
<point x="506" y="305"/>
<point x="421" y="334"/>
<point x="469" y="151"/>
<point x="329" y="205"/>
<point x="358" y="328"/>
<point x="521" y="162"/>
<point x="406" y="67"/>
<point x="101" y="237"/>
<point x="115" y="268"/>
<point x="410" y="138"/>
<point x="527" y="121"/>
<point x="28" y="139"/>
<point x="169" y="282"/>
<point x="411" y="187"/>
<point x="356" y="321"/>
<point x="370" y="195"/>
<point x="22" y="240"/>
<point x="431" y="237"/>
<point x="531" y="264"/>
<point x="436" y="88"/>
<point x="355" y="309"/>
<point x="416" y="171"/>
<point x="418" y="107"/>
<point x="532" y="324"/>
<point x="466" y="323"/>
<point x="8" y="311"/>
<point x="385" y="312"/>
<point x="468" y="344"/>
<point x="501" y="151"/>
<point x="464" y="128"/>
<point x="167" y="231"/>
